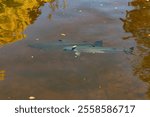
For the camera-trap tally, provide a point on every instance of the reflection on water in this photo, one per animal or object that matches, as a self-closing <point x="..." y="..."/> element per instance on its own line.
<point x="137" y="22"/>
<point x="15" y="16"/>
<point x="54" y="4"/>
<point x="2" y="75"/>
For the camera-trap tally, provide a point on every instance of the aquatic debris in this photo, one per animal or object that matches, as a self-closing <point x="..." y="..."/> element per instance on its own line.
<point x="101" y="5"/>
<point x="63" y="34"/>
<point x="116" y="8"/>
<point x="84" y="78"/>
<point x="80" y="11"/>
<point x="37" y="39"/>
<point x="31" y="97"/>
<point x="99" y="86"/>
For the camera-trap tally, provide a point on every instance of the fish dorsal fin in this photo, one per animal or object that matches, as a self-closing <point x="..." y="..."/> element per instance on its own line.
<point x="98" y="43"/>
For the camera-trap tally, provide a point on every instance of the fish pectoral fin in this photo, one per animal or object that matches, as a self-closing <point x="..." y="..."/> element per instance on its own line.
<point x="77" y="53"/>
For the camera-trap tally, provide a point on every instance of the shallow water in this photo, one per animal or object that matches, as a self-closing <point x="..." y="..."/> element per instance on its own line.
<point x="55" y="74"/>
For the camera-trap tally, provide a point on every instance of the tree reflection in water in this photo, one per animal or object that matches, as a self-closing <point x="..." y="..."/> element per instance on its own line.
<point x="54" y="4"/>
<point x="137" y="22"/>
<point x="15" y="16"/>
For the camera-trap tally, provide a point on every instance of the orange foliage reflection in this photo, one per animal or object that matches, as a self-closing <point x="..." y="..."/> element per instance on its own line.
<point x="137" y="22"/>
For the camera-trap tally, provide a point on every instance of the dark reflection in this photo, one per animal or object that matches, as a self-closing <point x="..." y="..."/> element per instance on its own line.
<point x="15" y="16"/>
<point x="137" y="22"/>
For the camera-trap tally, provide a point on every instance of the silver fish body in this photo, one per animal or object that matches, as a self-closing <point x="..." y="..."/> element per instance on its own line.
<point x="54" y="45"/>
<point x="95" y="49"/>
<point x="78" y="48"/>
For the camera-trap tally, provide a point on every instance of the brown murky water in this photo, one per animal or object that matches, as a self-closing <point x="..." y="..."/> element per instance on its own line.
<point x="55" y="74"/>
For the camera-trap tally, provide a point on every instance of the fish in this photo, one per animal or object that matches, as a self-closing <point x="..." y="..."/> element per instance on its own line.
<point x="60" y="44"/>
<point x="82" y="47"/>
<point x="96" y="47"/>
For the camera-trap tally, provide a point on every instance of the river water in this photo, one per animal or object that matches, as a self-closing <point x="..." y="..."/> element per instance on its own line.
<point x="54" y="74"/>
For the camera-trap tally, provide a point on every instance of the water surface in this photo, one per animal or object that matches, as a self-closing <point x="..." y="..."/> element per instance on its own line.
<point x="55" y="74"/>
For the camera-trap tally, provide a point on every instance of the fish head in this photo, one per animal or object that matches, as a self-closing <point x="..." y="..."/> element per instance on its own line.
<point x="70" y="48"/>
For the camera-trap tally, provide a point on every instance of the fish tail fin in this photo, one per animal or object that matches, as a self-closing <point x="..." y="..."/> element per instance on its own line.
<point x="129" y="50"/>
